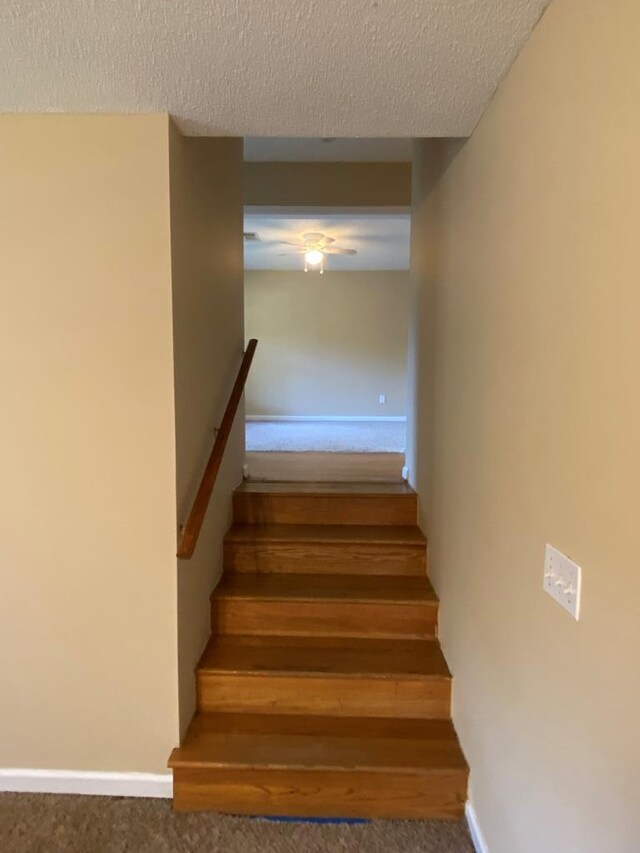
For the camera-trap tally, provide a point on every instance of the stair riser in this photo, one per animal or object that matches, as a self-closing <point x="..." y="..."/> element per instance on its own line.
<point x="324" y="509"/>
<point x="326" y="558"/>
<point x="312" y="793"/>
<point x="424" y="698"/>
<point x="323" y="619"/>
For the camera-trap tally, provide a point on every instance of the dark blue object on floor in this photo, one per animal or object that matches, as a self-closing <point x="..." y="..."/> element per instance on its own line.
<point x="285" y="819"/>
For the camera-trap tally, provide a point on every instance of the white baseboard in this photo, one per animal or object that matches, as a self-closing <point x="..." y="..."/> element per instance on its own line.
<point x="96" y="782"/>
<point x="479" y="844"/>
<point x="320" y="418"/>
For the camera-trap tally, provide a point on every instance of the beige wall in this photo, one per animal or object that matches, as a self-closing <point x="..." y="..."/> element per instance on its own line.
<point x="431" y="157"/>
<point x="329" y="345"/>
<point x="328" y="184"/>
<point x="87" y="462"/>
<point x="122" y="271"/>
<point x="206" y="244"/>
<point x="536" y="404"/>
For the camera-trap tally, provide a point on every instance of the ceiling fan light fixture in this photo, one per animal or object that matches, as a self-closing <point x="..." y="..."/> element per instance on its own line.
<point x="313" y="257"/>
<point x="314" y="248"/>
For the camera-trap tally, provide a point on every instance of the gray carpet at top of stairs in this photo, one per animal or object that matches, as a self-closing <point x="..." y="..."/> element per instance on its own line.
<point x="326" y="436"/>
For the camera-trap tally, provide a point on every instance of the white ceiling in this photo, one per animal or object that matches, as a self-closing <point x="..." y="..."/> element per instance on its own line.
<point x="381" y="240"/>
<point x="265" y="67"/>
<point x="296" y="150"/>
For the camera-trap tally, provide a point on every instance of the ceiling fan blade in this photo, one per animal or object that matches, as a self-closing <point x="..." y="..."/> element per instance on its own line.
<point x="325" y="242"/>
<point x="298" y="245"/>
<point x="288" y="254"/>
<point x="336" y="250"/>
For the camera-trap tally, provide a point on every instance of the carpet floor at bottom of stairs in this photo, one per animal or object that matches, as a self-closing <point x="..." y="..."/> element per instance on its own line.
<point x="33" y="823"/>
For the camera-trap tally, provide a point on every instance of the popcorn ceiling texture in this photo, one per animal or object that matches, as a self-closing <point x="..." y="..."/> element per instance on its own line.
<point x="265" y="67"/>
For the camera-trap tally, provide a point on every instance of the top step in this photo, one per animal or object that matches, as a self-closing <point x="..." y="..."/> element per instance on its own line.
<point x="325" y="503"/>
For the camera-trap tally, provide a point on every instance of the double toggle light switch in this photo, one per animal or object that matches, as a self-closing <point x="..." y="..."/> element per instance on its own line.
<point x="562" y="580"/>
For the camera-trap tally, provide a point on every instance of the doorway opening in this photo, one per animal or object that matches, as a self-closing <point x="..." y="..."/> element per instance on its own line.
<point x="327" y="296"/>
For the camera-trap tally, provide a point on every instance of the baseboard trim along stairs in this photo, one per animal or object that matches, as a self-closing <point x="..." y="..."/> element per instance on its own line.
<point x="323" y="691"/>
<point x="91" y="782"/>
<point x="477" y="838"/>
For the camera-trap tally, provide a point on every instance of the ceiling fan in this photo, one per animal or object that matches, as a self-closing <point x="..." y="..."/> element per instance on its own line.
<point x="314" y="246"/>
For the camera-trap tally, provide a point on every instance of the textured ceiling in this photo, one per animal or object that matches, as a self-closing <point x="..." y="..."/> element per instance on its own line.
<point x="293" y="149"/>
<point x="381" y="240"/>
<point x="265" y="67"/>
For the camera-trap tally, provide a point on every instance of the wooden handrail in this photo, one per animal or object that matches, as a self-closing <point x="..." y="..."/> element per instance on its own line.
<point x="191" y="530"/>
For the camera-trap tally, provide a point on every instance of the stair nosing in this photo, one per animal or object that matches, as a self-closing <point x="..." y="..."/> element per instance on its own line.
<point x="303" y="673"/>
<point x="429" y="602"/>
<point x="320" y="768"/>
<point x="316" y="536"/>
<point x="293" y="489"/>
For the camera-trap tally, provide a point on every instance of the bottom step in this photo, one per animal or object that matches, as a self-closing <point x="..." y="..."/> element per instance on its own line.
<point x="320" y="767"/>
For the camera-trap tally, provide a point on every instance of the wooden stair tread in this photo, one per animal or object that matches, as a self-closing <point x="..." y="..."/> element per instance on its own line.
<point x="319" y="743"/>
<point x="340" y="588"/>
<point x="326" y="533"/>
<point x="293" y="488"/>
<point x="324" y="656"/>
<point x="323" y="691"/>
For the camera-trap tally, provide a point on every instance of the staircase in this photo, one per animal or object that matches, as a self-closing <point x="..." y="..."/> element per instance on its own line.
<point x="323" y="691"/>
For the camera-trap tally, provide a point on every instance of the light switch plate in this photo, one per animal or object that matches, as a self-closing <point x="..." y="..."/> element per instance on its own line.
<point x="562" y="580"/>
<point x="382" y="398"/>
